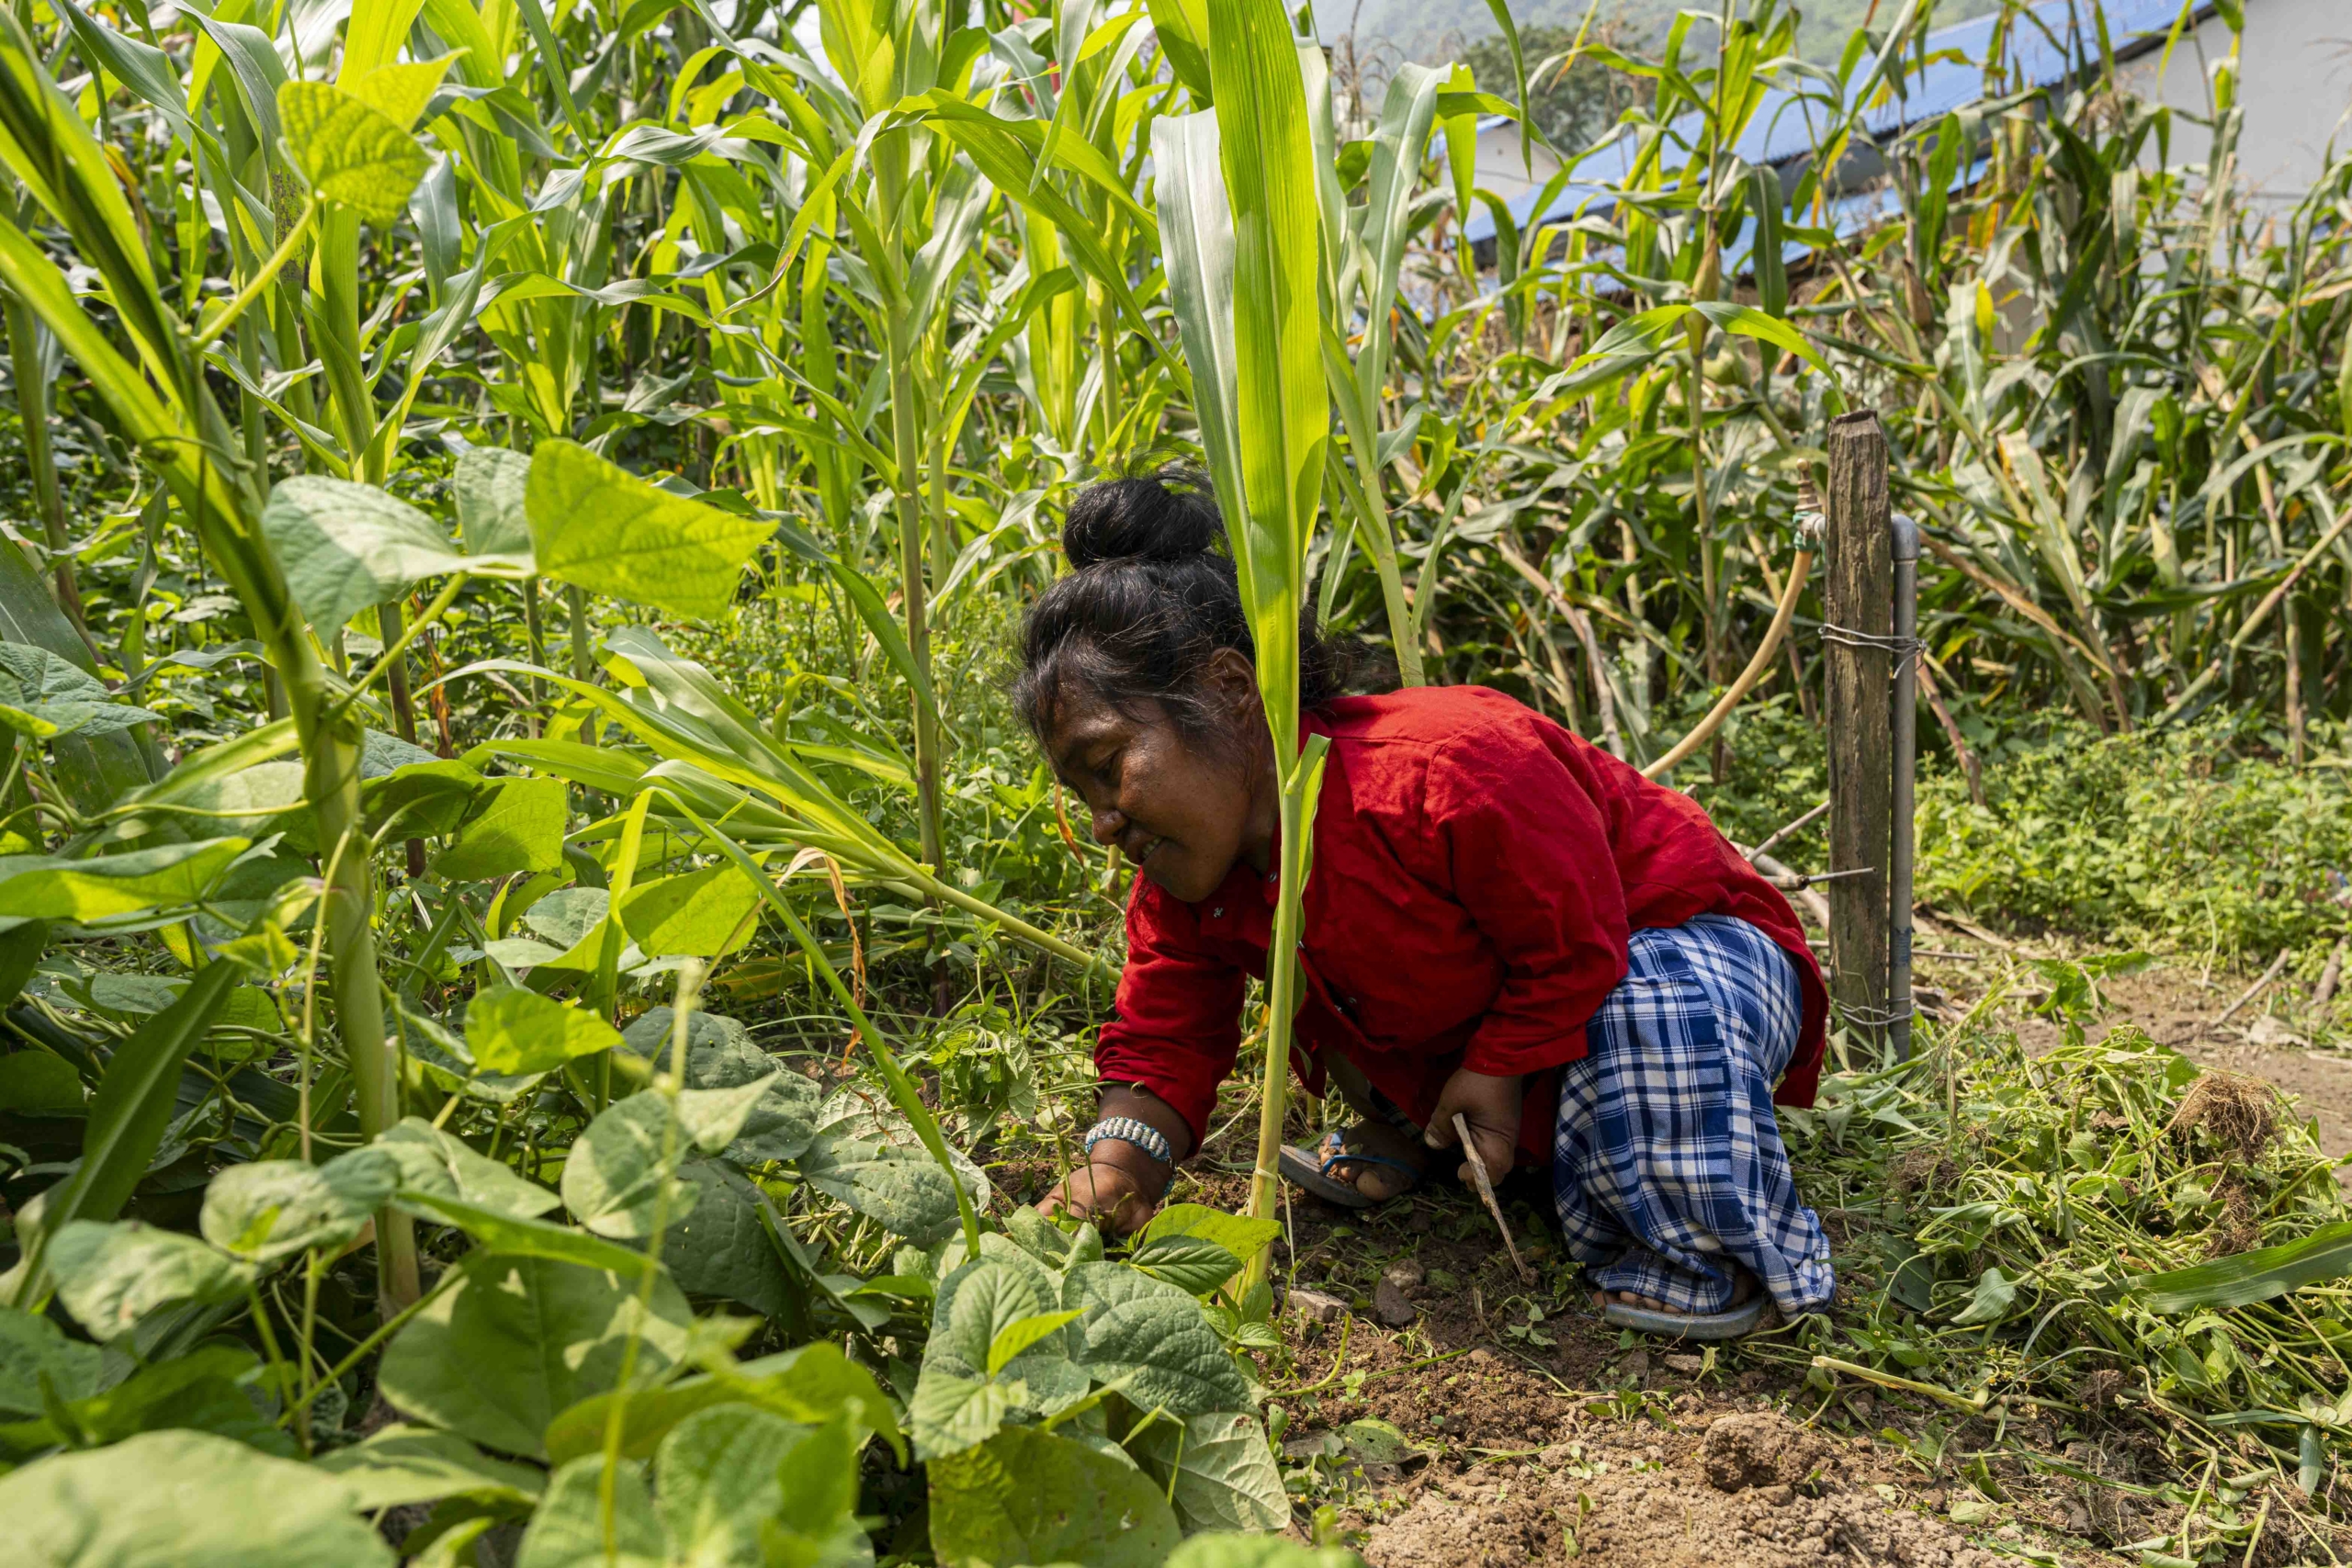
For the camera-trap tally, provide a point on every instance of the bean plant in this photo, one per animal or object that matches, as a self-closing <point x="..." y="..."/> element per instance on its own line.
<point x="536" y="968"/>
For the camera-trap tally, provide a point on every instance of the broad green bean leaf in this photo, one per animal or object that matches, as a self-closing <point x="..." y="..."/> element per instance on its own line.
<point x="721" y="1054"/>
<point x="511" y="1030"/>
<point x="1238" y="1234"/>
<point x="1192" y="1263"/>
<point x="1374" y="1441"/>
<point x="517" y="1237"/>
<point x="401" y="1464"/>
<point x="518" y="1339"/>
<point x="703" y="913"/>
<point x="350" y="151"/>
<point x="444" y="1165"/>
<point x="182" y="1499"/>
<point x="568" y="1529"/>
<point x="1032" y="1496"/>
<point x="959" y="1399"/>
<point x="1037" y="1235"/>
<point x="600" y="527"/>
<point x="380" y="754"/>
<point x="168" y="876"/>
<point x="34" y="1083"/>
<point x="811" y="1384"/>
<point x="489" y="486"/>
<point x="721" y="1248"/>
<point x="402" y="89"/>
<point x="429" y="800"/>
<point x="1992" y="1299"/>
<point x="1220" y="1473"/>
<point x="733" y="1477"/>
<point x="904" y="1190"/>
<point x="721" y="1477"/>
<point x="31" y="1347"/>
<point x="143" y="995"/>
<point x="978" y="1301"/>
<point x="861" y="1111"/>
<point x="274" y="1208"/>
<point x="567" y="915"/>
<point x="22" y="943"/>
<point x="950" y="1414"/>
<point x="1145" y="1329"/>
<point x="614" y="1181"/>
<point x="347" y="547"/>
<point x="111" y="1275"/>
<point x="202" y="1390"/>
<point x="520" y="830"/>
<point x="254" y="795"/>
<point x="1223" y="1550"/>
<point x="42" y="696"/>
<point x="714" y="1118"/>
<point x="522" y="951"/>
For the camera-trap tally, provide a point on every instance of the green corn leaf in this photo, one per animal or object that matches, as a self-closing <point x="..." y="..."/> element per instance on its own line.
<point x="2250" y="1277"/>
<point x="136" y="1102"/>
<point x="1196" y="231"/>
<point x="1748" y="321"/>
<point x="349" y="150"/>
<point x="1183" y="27"/>
<point x="1281" y="410"/>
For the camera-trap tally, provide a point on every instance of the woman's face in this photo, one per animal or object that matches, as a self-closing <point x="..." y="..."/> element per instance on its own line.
<point x="1180" y="810"/>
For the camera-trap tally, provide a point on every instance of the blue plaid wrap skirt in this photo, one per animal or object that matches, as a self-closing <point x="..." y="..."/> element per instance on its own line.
<point x="1667" y="1164"/>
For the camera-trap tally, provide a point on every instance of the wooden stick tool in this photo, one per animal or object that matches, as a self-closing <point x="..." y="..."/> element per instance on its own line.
<point x="1487" y="1190"/>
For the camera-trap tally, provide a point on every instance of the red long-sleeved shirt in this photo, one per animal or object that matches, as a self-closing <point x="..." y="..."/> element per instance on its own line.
<point x="1478" y="870"/>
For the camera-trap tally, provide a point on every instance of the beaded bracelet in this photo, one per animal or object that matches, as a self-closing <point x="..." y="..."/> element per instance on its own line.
<point x="1142" y="1135"/>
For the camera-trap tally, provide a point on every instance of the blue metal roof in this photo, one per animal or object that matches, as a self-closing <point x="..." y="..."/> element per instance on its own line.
<point x="2047" y="43"/>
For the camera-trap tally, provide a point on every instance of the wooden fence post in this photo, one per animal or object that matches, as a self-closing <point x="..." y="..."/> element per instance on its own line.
<point x="1858" y="600"/>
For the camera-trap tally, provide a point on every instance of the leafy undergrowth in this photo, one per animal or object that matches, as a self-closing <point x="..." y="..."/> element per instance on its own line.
<point x="2186" y="840"/>
<point x="2097" y="1314"/>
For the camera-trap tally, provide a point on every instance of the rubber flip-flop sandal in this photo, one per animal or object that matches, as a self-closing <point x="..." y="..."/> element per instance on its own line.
<point x="1307" y="1173"/>
<point x="1729" y="1324"/>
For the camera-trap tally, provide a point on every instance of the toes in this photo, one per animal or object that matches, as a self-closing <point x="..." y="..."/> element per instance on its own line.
<point x="1378" y="1183"/>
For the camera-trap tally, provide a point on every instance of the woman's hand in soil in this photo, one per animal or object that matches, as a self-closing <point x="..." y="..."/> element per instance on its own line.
<point x="1491" y="1105"/>
<point x="1108" y="1194"/>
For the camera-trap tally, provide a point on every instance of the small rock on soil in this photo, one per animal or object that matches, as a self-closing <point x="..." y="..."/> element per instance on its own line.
<point x="1389" y="1305"/>
<point x="1316" y="1306"/>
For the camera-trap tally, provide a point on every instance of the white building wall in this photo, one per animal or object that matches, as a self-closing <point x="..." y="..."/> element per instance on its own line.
<point x="2295" y="80"/>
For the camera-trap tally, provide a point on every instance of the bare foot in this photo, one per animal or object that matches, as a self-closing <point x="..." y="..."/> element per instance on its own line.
<point x="1743" y="1286"/>
<point x="1378" y="1183"/>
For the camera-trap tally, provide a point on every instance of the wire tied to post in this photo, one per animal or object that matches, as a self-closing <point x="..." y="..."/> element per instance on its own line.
<point x="1905" y="649"/>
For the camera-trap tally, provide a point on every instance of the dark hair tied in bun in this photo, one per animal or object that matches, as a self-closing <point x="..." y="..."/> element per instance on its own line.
<point x="1151" y="599"/>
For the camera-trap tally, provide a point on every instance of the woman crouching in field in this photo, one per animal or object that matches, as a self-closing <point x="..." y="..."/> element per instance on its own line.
<point x="1502" y="921"/>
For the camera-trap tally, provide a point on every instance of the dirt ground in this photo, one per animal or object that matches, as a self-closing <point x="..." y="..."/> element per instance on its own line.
<point x="1499" y="1427"/>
